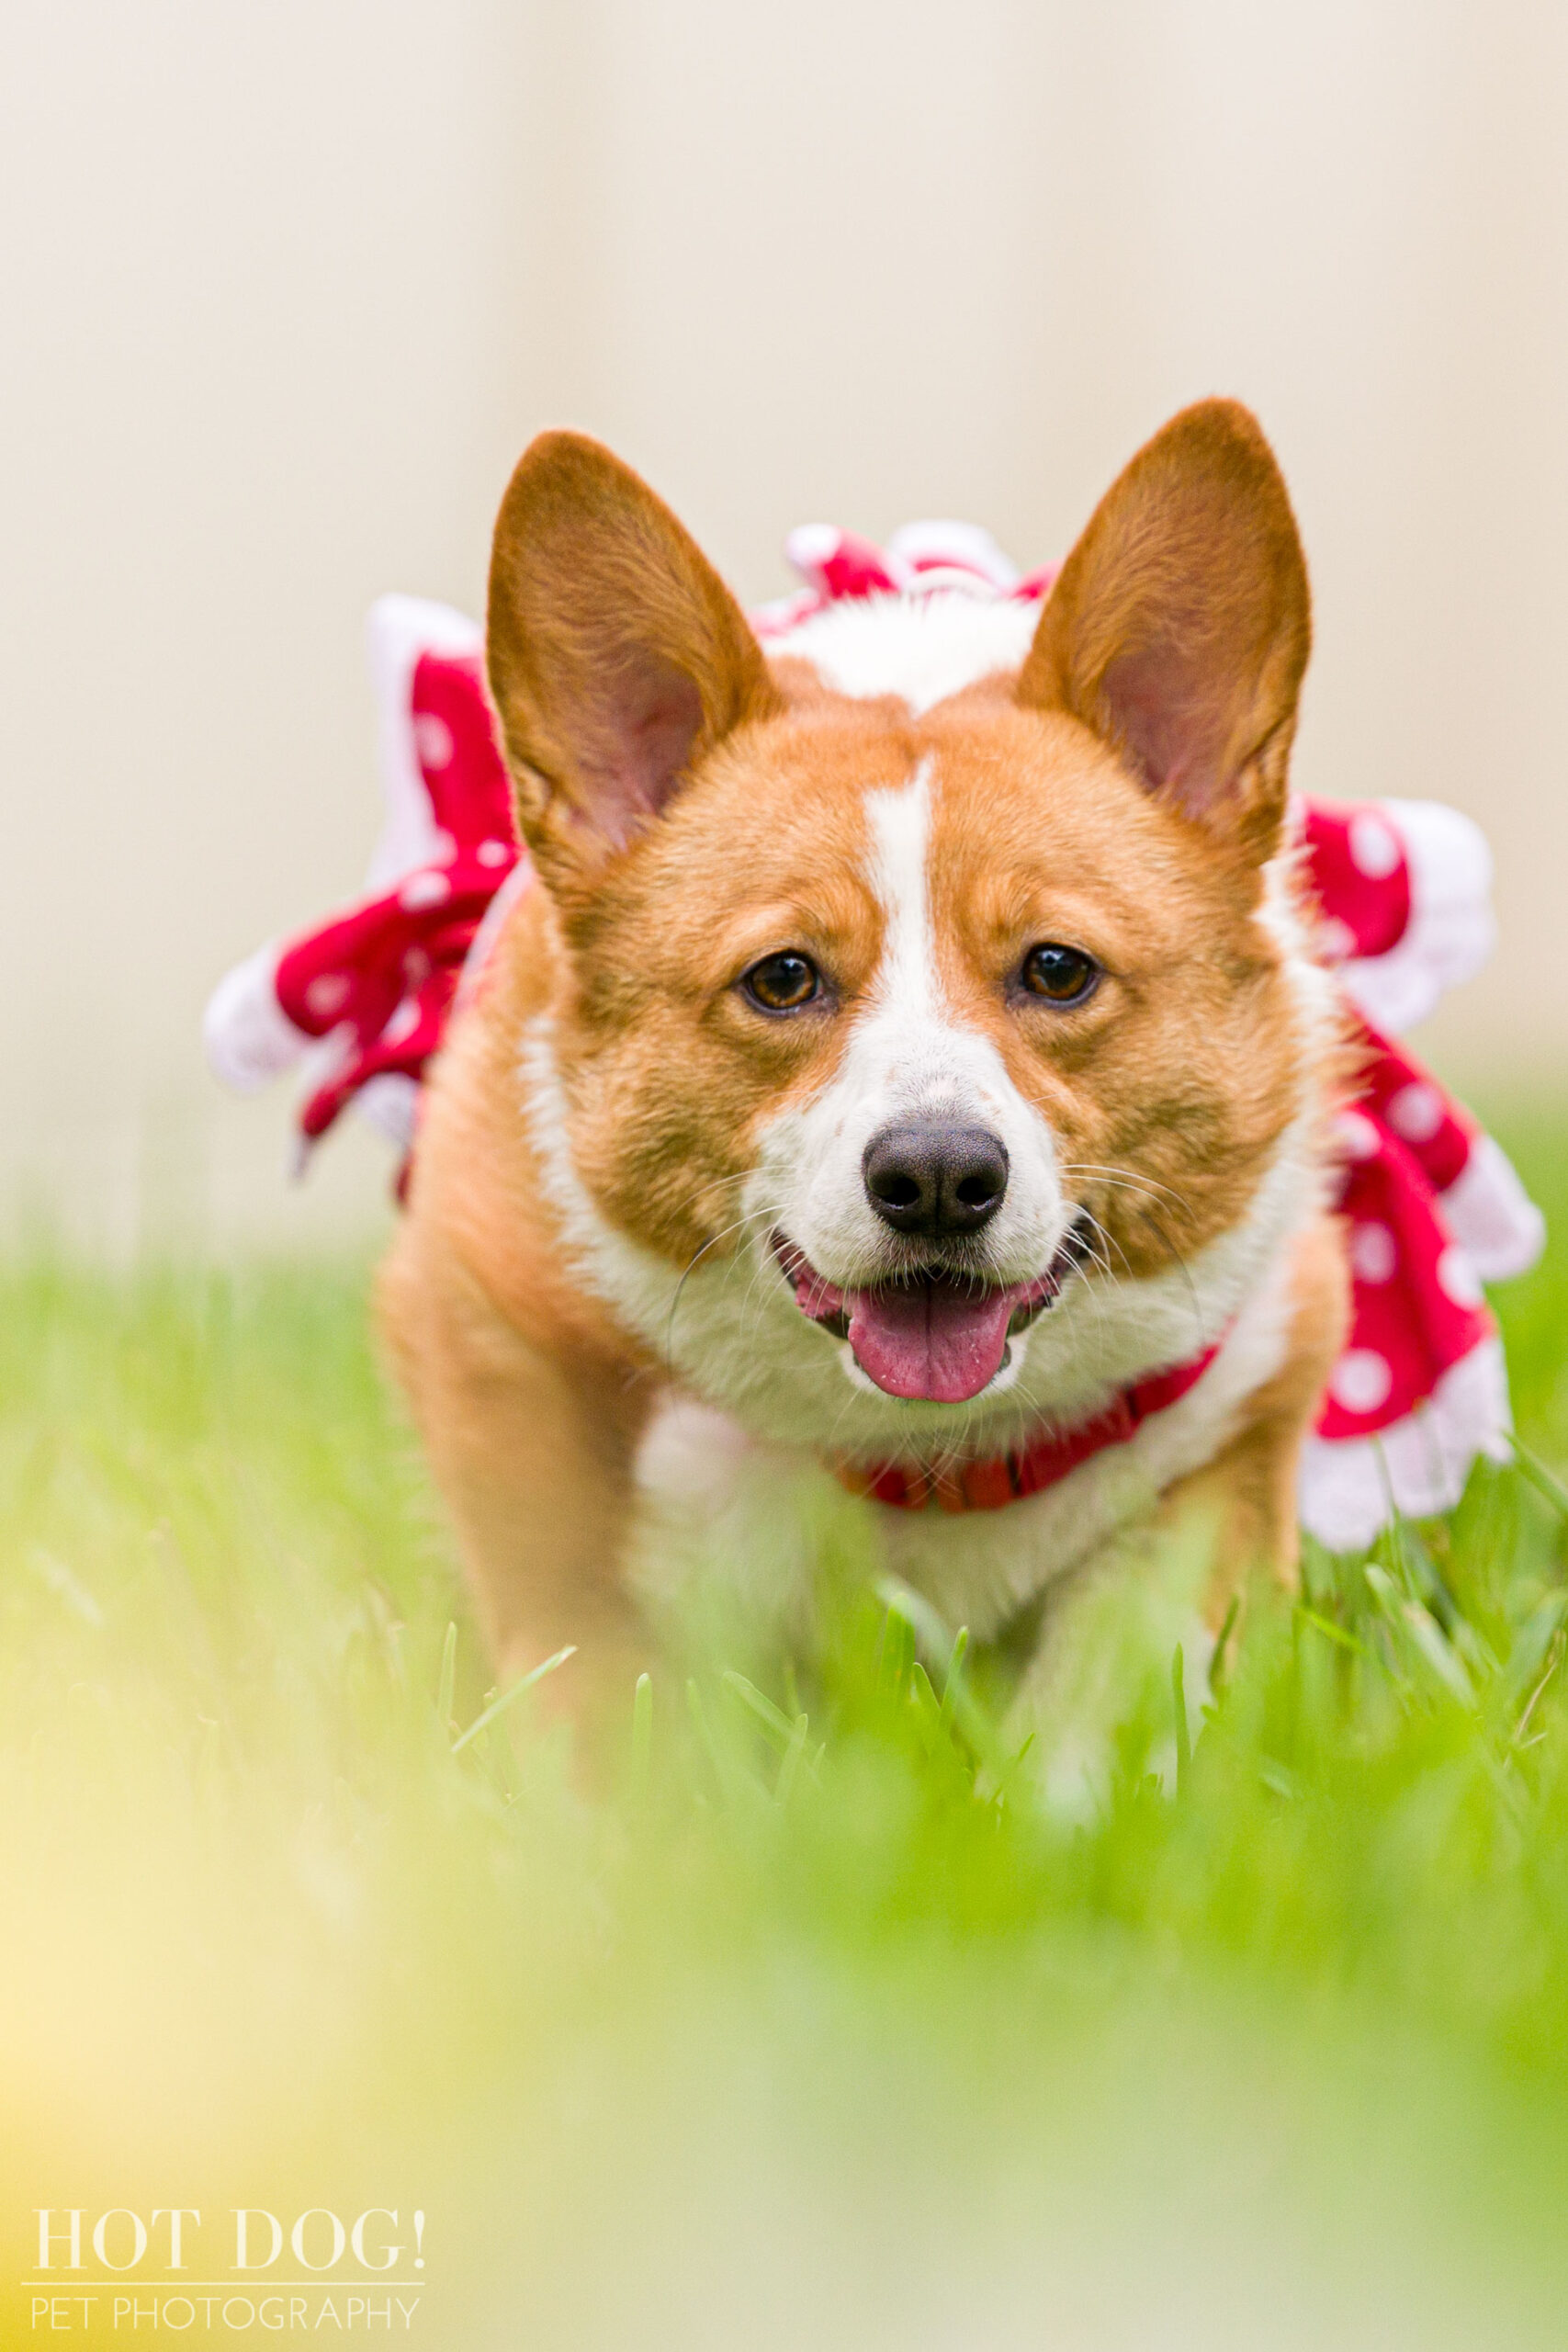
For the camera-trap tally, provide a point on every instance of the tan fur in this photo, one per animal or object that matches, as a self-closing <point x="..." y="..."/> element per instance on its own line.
<point x="691" y="808"/>
<point x="1248" y="1493"/>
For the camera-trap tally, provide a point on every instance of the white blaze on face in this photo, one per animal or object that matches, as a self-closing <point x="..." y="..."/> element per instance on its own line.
<point x="906" y="1058"/>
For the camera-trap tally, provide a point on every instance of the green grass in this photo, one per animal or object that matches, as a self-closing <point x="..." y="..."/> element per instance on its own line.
<point x="816" y="2033"/>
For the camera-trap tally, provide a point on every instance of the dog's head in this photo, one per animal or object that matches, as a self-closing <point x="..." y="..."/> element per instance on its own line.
<point x="924" y="985"/>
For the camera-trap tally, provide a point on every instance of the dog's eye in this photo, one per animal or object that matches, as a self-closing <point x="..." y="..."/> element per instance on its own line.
<point x="1063" y="974"/>
<point x="781" y="983"/>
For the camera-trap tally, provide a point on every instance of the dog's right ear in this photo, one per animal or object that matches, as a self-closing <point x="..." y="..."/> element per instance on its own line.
<point x="617" y="657"/>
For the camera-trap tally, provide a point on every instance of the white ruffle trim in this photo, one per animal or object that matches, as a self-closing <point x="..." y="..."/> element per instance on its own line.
<point x="398" y="631"/>
<point x="390" y="1104"/>
<point x="926" y="544"/>
<point x="1450" y="932"/>
<point x="1348" y="1488"/>
<point x="251" y="1040"/>
<point x="248" y="1036"/>
<point x="1491" y="1216"/>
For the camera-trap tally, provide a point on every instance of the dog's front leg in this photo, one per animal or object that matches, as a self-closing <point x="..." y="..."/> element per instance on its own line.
<point x="1097" y="1697"/>
<point x="531" y="1446"/>
<point x="1099" y="1689"/>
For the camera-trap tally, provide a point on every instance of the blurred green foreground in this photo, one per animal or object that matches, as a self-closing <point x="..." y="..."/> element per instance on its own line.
<point x="818" y="2033"/>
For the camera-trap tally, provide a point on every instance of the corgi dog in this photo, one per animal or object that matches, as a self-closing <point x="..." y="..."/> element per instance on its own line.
<point x="897" y="1116"/>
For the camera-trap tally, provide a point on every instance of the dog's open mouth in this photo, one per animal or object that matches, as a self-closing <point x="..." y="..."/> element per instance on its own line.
<point x="938" y="1335"/>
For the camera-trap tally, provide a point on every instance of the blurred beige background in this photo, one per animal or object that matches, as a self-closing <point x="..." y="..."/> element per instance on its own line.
<point x="286" y="288"/>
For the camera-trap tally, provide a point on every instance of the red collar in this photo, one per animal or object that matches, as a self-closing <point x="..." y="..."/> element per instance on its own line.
<point x="986" y="1485"/>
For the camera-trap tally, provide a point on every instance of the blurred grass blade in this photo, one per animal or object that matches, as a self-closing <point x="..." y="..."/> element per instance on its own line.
<point x="65" y="1584"/>
<point x="448" y="1684"/>
<point x="931" y="1635"/>
<point x="1554" y="1660"/>
<point x="1326" y="1626"/>
<point x="642" y="1737"/>
<point x="954" y="1673"/>
<point x="498" y="1706"/>
<point x="1183" y="1738"/>
<point x="928" y="1707"/>
<point x="776" y="1723"/>
<point x="789" y="1771"/>
<point x="725" y="1769"/>
<point x="1543" y="1480"/>
<point x="1217" y="1661"/>
<point x="1410" y="1618"/>
<point x="1440" y="1653"/>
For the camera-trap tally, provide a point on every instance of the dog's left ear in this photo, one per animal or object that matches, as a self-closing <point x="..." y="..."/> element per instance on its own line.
<point x="1179" y="628"/>
<point x="617" y="657"/>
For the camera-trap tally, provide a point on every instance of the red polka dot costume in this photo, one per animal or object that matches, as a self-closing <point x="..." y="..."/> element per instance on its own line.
<point x="1433" y="1207"/>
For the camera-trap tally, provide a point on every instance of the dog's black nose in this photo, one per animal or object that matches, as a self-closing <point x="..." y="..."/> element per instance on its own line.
<point x="934" y="1180"/>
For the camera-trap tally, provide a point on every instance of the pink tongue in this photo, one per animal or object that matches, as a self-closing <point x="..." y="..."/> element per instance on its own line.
<point x="937" y="1338"/>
